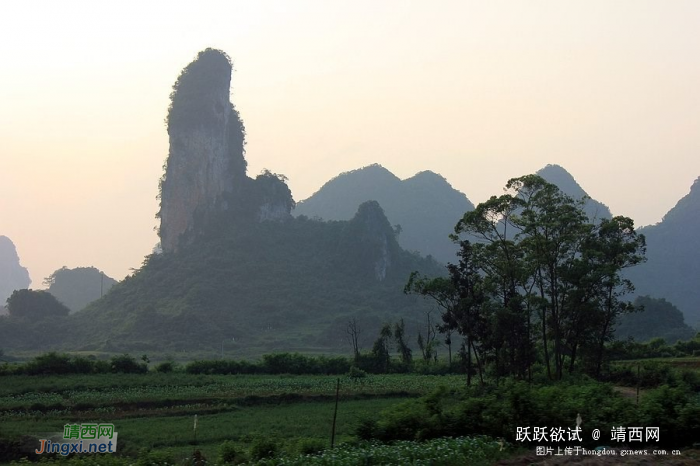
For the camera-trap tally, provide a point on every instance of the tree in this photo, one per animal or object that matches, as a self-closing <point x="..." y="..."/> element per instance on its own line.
<point x="35" y="305"/>
<point x="538" y="275"/>
<point x="381" y="350"/>
<point x="401" y="346"/>
<point x="353" y="331"/>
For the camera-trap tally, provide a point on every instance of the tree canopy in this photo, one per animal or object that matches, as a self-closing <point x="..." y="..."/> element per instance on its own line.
<point x="35" y="305"/>
<point x="540" y="283"/>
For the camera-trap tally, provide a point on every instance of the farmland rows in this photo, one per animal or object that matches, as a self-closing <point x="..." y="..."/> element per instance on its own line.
<point x="227" y="388"/>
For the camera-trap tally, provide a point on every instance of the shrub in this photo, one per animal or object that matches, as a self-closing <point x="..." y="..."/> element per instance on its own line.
<point x="49" y="364"/>
<point x="356" y="373"/>
<point x="127" y="364"/>
<point x="153" y="458"/>
<point x="310" y="446"/>
<point x="262" y="448"/>
<point x="165" y="367"/>
<point x="229" y="453"/>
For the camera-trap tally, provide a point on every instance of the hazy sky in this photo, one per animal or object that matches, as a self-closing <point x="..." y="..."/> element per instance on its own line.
<point x="478" y="91"/>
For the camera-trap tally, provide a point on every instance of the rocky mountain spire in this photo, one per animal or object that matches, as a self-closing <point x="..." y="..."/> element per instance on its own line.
<point x="206" y="164"/>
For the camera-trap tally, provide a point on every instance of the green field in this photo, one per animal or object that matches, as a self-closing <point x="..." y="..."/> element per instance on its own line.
<point x="156" y="411"/>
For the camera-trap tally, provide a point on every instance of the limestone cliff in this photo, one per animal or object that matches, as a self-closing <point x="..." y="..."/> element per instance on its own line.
<point x="370" y="241"/>
<point x="205" y="174"/>
<point x="205" y="166"/>
<point x="12" y="275"/>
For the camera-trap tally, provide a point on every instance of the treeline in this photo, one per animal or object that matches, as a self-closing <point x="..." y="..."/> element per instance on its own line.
<point x="377" y="361"/>
<point x="271" y="364"/>
<point x="654" y="348"/>
<point x="62" y="364"/>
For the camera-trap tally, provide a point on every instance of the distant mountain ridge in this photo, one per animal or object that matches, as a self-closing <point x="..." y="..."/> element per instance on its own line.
<point x="672" y="270"/>
<point x="558" y="176"/>
<point x="235" y="264"/>
<point x="426" y="206"/>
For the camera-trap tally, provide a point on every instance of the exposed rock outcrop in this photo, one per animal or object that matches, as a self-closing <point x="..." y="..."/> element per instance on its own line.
<point x="205" y="166"/>
<point x="371" y="241"/>
<point x="205" y="174"/>
<point x="12" y="275"/>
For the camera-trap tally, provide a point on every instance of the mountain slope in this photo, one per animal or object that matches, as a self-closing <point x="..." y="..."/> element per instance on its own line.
<point x="289" y="286"/>
<point x="672" y="270"/>
<point x="425" y="206"/>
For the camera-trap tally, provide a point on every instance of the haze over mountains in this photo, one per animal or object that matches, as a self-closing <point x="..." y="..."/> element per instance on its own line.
<point x="12" y="275"/>
<point x="425" y="206"/>
<point x="558" y="176"/>
<point x="78" y="287"/>
<point x="238" y="267"/>
<point x="672" y="270"/>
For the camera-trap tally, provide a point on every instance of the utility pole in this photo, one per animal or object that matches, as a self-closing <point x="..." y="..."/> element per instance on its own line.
<point x="335" y="413"/>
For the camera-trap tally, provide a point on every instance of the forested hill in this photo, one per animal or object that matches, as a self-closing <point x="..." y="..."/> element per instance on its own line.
<point x="672" y="271"/>
<point x="262" y="287"/>
<point x="426" y="206"/>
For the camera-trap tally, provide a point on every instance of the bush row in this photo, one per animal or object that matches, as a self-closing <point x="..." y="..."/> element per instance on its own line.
<point x="278" y="363"/>
<point x="59" y="364"/>
<point x="499" y="411"/>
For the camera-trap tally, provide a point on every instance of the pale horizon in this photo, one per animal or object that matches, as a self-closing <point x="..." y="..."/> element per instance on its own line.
<point x="478" y="92"/>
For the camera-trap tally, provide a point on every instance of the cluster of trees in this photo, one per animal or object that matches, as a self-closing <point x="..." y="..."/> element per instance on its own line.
<point x="35" y="305"/>
<point x="539" y="283"/>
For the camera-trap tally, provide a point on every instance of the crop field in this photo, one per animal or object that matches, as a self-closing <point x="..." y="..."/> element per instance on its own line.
<point x="156" y="411"/>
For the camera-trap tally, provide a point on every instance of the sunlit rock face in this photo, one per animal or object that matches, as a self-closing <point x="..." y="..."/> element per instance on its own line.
<point x="205" y="167"/>
<point x="12" y="275"/>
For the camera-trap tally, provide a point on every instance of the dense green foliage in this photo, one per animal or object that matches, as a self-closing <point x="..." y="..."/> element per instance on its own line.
<point x="33" y="305"/>
<point x="654" y="348"/>
<point x="498" y="411"/>
<point x="657" y="319"/>
<point x="76" y="288"/>
<point x="542" y="283"/>
<point x="258" y="288"/>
